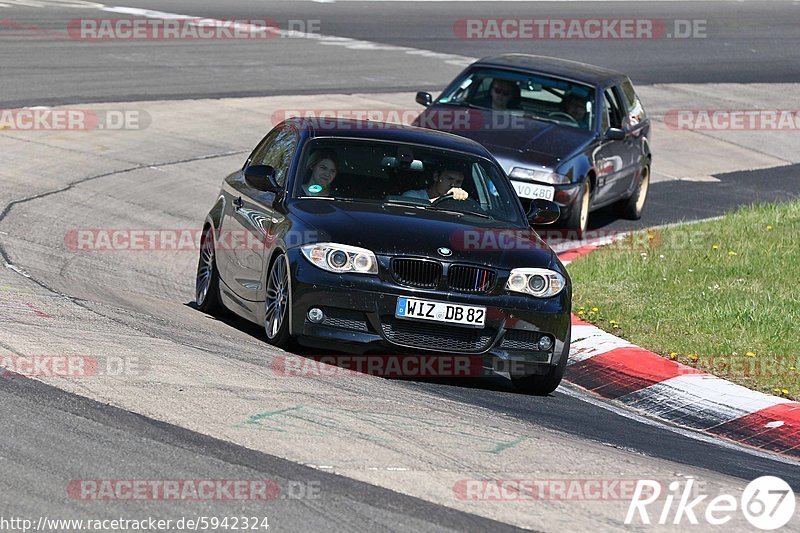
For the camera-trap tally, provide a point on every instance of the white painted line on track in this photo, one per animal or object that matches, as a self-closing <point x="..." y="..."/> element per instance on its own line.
<point x="330" y="40"/>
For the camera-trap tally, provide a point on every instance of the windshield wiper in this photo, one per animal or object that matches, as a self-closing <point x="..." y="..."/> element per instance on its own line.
<point x="435" y="208"/>
<point x="473" y="213"/>
<point x="543" y="119"/>
<point x="463" y="103"/>
<point x="408" y="203"/>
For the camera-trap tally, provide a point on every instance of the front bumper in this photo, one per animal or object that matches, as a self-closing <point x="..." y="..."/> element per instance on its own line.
<point x="566" y="195"/>
<point x="360" y="317"/>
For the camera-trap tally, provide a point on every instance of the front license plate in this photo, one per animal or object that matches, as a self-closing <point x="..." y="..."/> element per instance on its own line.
<point x="532" y="190"/>
<point x="469" y="315"/>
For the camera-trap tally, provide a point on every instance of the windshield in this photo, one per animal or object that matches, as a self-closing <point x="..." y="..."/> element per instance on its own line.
<point x="406" y="174"/>
<point x="537" y="96"/>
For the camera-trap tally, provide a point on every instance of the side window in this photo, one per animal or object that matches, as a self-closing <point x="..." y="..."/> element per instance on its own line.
<point x="635" y="110"/>
<point x="481" y="89"/>
<point x="277" y="151"/>
<point x="614" y="108"/>
<point x="261" y="149"/>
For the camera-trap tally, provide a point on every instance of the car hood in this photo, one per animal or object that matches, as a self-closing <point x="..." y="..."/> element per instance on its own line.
<point x="535" y="141"/>
<point x="398" y="230"/>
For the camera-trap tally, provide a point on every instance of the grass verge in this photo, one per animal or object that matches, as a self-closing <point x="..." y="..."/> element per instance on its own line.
<point x="722" y="296"/>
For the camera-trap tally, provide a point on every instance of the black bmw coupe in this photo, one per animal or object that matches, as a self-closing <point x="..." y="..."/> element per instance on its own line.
<point x="375" y="238"/>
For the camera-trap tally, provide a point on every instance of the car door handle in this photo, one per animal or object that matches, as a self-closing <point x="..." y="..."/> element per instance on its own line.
<point x="238" y="203"/>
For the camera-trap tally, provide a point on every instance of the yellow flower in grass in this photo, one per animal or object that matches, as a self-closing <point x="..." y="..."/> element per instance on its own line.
<point x="673" y="355"/>
<point x="731" y="252"/>
<point x="784" y="391"/>
<point x="750" y="354"/>
<point x="580" y="313"/>
<point x="776" y="391"/>
<point x="692" y="356"/>
<point x="769" y="228"/>
<point x="595" y="309"/>
<point x="715" y="247"/>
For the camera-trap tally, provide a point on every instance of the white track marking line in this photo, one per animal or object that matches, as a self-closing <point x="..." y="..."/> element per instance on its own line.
<point x="330" y="40"/>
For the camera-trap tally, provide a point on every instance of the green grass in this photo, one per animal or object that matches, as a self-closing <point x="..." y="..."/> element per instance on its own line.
<point x="722" y="295"/>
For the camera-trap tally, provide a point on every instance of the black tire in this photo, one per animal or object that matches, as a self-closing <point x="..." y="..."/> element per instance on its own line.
<point x="544" y="384"/>
<point x="633" y="207"/>
<point x="578" y="218"/>
<point x="276" y="303"/>
<point x="206" y="285"/>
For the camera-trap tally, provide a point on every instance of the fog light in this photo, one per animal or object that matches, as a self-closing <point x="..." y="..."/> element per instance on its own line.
<point x="545" y="343"/>
<point x="316" y="316"/>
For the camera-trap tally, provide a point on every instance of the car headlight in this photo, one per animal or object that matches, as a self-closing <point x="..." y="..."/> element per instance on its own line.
<point x="544" y="176"/>
<point x="341" y="258"/>
<point x="539" y="282"/>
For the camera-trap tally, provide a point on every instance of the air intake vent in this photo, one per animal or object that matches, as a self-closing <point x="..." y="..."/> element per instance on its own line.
<point x="438" y="337"/>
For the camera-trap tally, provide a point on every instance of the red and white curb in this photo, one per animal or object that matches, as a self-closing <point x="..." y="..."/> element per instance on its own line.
<point x="670" y="391"/>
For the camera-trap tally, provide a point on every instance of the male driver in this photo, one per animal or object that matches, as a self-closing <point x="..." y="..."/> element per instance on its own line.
<point x="503" y="95"/>
<point x="445" y="182"/>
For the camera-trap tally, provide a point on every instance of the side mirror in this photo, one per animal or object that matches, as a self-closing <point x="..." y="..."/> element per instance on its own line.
<point x="543" y="212"/>
<point x="424" y="99"/>
<point x="615" y="134"/>
<point x="261" y="177"/>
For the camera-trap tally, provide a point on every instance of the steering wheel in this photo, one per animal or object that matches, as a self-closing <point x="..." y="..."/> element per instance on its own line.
<point x="445" y="197"/>
<point x="468" y="203"/>
<point x="561" y="114"/>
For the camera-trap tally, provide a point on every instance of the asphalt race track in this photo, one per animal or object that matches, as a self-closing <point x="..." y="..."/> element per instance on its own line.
<point x="201" y="398"/>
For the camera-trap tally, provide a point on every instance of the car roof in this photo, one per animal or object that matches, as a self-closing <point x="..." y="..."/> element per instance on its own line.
<point x="380" y="131"/>
<point x="563" y="68"/>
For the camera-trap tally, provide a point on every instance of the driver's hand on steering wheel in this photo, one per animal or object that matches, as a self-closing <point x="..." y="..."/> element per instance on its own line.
<point x="458" y="193"/>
